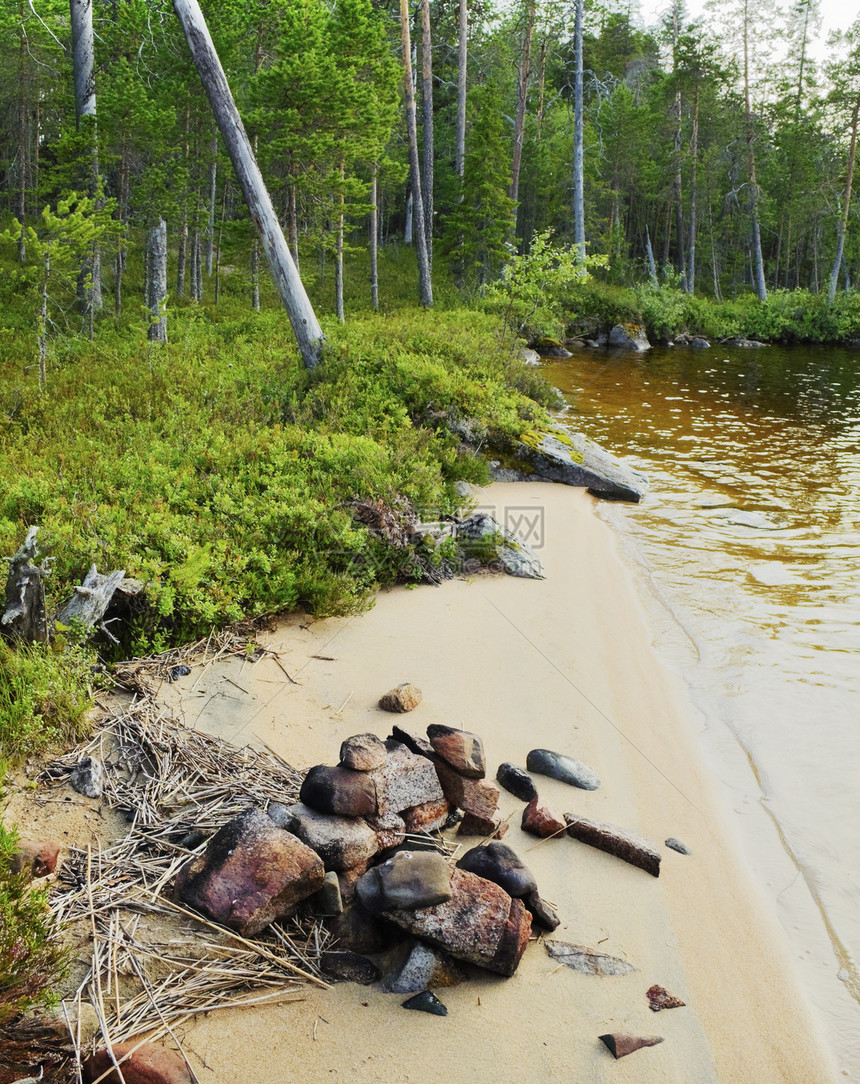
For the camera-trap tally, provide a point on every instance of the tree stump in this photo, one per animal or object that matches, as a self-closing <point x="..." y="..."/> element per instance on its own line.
<point x="24" y="617"/>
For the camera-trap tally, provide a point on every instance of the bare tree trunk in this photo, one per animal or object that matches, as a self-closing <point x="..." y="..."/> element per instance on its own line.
<point x="427" y="114"/>
<point x="652" y="267"/>
<point x="157" y="282"/>
<point x="846" y="205"/>
<point x="182" y="257"/>
<point x="462" y="66"/>
<point x="23" y="145"/>
<point x="522" y="97"/>
<point x="758" y="260"/>
<point x="83" y="62"/>
<point x="338" y="255"/>
<point x="578" y="156"/>
<point x="302" y="317"/>
<point x="694" y="156"/>
<point x="213" y="188"/>
<point x="407" y="225"/>
<point x="255" y="275"/>
<point x="374" y="239"/>
<point x="25" y="617"/>
<point x="293" y="218"/>
<point x="425" y="287"/>
<point x="43" y="322"/>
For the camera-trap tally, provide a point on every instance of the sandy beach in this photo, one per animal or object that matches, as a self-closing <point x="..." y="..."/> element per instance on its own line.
<point x="565" y="663"/>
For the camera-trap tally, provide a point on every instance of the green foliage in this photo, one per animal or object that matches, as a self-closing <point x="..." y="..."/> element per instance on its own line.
<point x="31" y="958"/>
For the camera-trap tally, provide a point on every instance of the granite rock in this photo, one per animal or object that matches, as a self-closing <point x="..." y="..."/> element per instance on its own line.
<point x="540" y="820"/>
<point x="404" y="781"/>
<point x="341" y="842"/>
<point x="459" y="749"/>
<point x="403" y="698"/>
<point x="341" y="792"/>
<point x="363" y="752"/>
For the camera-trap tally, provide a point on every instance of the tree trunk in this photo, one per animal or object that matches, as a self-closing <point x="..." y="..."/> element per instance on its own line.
<point x="578" y="163"/>
<point x="25" y="617"/>
<point x="652" y="267"/>
<point x="694" y="167"/>
<point x="23" y="144"/>
<point x="522" y="99"/>
<point x="462" y="66"/>
<point x="374" y="239"/>
<point x="182" y="257"/>
<point x="302" y="317"/>
<point x="427" y="108"/>
<point x="213" y="188"/>
<point x="255" y="275"/>
<point x="758" y="261"/>
<point x="338" y="253"/>
<point x="425" y="287"/>
<point x="83" y="63"/>
<point x="157" y="282"/>
<point x="846" y="205"/>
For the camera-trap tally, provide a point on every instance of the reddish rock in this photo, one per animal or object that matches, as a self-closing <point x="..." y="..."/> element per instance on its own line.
<point x="616" y="841"/>
<point x="542" y="821"/>
<point x="461" y="750"/>
<point x="427" y="817"/>
<point x="348" y="878"/>
<point x="413" y="741"/>
<point x="477" y="796"/>
<point x="149" y="1064"/>
<point x="404" y="698"/>
<point x="480" y="924"/>
<point x="390" y="830"/>
<point x="363" y="752"/>
<point x="342" y="792"/>
<point x="251" y="873"/>
<point x="660" y="998"/>
<point x="471" y="825"/>
<point x="404" y="781"/>
<point x="620" y="1045"/>
<point x="38" y="858"/>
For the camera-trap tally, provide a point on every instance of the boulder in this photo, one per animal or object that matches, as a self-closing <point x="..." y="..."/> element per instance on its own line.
<point x="513" y="555"/>
<point x="251" y="873"/>
<point x="629" y="337"/>
<point x="406" y="881"/>
<point x="413" y="966"/>
<point x="565" y="769"/>
<point x="427" y="817"/>
<point x="404" y="781"/>
<point x="480" y="923"/>
<point x="558" y="454"/>
<point x="496" y="862"/>
<point x="529" y="356"/>
<point x="540" y="820"/>
<point x="148" y="1064"/>
<point x="477" y="796"/>
<point x="461" y="750"/>
<point x="698" y="343"/>
<point x="547" y="347"/>
<point x="341" y="842"/>
<point x="516" y="781"/>
<point x="404" y="698"/>
<point x="746" y="344"/>
<point x="339" y="791"/>
<point x="363" y="752"/>
<point x="36" y="858"/>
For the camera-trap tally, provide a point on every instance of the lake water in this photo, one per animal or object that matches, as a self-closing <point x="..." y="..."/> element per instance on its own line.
<point x="748" y="550"/>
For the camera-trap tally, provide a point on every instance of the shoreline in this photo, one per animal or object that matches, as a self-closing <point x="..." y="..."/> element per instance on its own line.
<point x="564" y="663"/>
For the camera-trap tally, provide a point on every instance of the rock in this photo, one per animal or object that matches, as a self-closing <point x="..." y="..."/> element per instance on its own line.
<point x="404" y="698"/>
<point x="512" y="554"/>
<point x="616" y="841"/>
<point x="480" y="923"/>
<point x="496" y="862"/>
<point x="390" y="829"/>
<point x="346" y="966"/>
<point x="588" y="961"/>
<point x="341" y="842"/>
<point x="36" y="858"/>
<point x="408" y="880"/>
<point x="699" y="344"/>
<point x="676" y="845"/>
<point x="547" y="347"/>
<point x="251" y="873"/>
<point x="565" y="769"/>
<point x="415" y="743"/>
<point x="629" y="337"/>
<point x="462" y="751"/>
<point x="426" y="1002"/>
<point x="87" y="777"/>
<point x="558" y="454"/>
<point x="414" y="966"/>
<point x="660" y="998"/>
<point x="348" y="879"/>
<point x="404" y="781"/>
<point x="339" y="791"/>
<point x="540" y="820"/>
<point x="417" y="843"/>
<point x="516" y="781"/>
<point x="176" y="672"/>
<point x="620" y="1045"/>
<point x="747" y="344"/>
<point x="427" y="817"/>
<point x="148" y="1064"/>
<point x="363" y="752"/>
<point x="529" y="356"/>
<point x="473" y="825"/>
<point x="542" y="914"/>
<point x="328" y="900"/>
<point x="477" y="796"/>
<point x="357" y="930"/>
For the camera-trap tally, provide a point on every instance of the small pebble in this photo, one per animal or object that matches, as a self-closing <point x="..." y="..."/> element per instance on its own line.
<point x="178" y="672"/>
<point x="677" y="845"/>
<point x="426" y="1002"/>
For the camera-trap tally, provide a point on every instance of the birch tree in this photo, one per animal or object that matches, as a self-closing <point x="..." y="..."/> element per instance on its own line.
<point x="83" y="67"/>
<point x="425" y="285"/>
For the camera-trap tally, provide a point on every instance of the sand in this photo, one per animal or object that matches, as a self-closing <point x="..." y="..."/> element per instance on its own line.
<point x="564" y="663"/>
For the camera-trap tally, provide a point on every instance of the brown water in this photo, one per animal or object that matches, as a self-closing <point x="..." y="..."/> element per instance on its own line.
<point x="749" y="547"/>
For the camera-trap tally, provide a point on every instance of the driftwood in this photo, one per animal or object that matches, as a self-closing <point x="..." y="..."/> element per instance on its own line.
<point x="24" y="617"/>
<point x="616" y="841"/>
<point x="90" y="601"/>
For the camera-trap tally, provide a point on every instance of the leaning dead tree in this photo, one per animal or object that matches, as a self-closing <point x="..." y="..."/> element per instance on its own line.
<point x="303" y="319"/>
<point x="25" y="617"/>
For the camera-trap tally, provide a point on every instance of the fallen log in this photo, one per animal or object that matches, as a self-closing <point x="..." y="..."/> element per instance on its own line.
<point x="615" y="841"/>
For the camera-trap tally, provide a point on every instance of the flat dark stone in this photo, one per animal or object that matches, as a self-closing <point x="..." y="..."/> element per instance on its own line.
<point x="565" y="769"/>
<point x="349" y="967"/>
<point x="426" y="1002"/>
<point x="516" y="782"/>
<point x="498" y="863"/>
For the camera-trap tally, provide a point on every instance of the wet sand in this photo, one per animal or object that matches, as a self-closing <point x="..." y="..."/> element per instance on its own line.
<point x="563" y="663"/>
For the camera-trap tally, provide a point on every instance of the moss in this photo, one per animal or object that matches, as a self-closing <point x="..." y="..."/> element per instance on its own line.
<point x="533" y="438"/>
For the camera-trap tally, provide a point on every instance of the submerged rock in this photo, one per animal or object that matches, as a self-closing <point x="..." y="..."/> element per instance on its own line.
<point x="565" y="769"/>
<point x="629" y="337"/>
